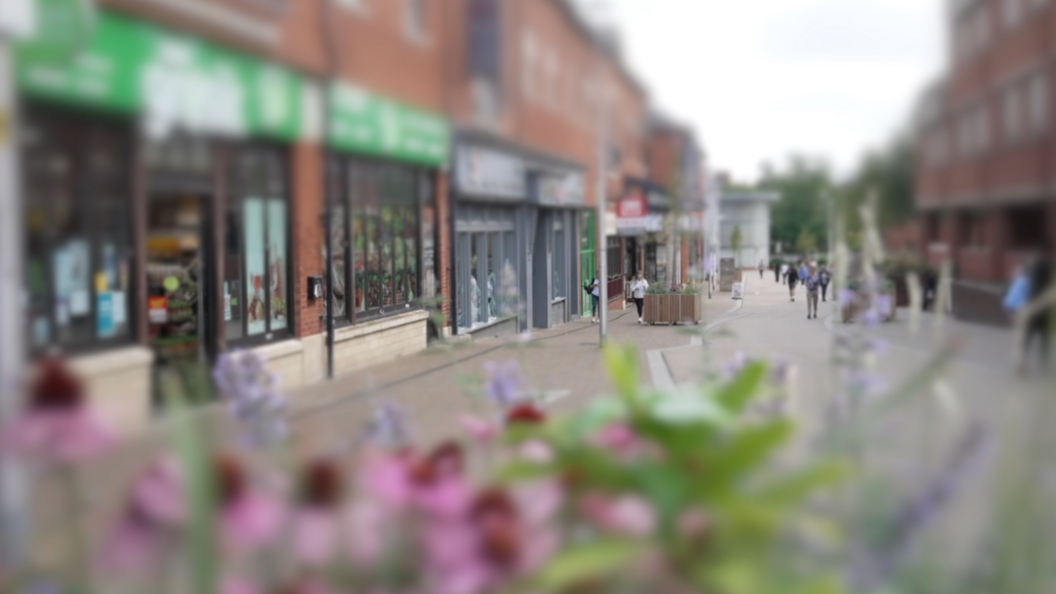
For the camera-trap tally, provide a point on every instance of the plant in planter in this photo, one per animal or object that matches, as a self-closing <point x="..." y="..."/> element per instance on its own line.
<point x="672" y="305"/>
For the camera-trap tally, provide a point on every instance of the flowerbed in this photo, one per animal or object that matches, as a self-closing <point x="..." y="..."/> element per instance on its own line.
<point x="639" y="492"/>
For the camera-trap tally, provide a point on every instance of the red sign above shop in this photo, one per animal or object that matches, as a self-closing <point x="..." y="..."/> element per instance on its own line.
<point x="632" y="206"/>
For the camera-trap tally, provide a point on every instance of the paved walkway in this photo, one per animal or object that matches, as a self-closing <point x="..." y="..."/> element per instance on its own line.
<point x="433" y="387"/>
<point x="905" y="450"/>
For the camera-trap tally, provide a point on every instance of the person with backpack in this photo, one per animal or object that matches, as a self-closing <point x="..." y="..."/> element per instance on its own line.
<point x="812" y="282"/>
<point x="824" y="278"/>
<point x="594" y="288"/>
<point x="793" y="278"/>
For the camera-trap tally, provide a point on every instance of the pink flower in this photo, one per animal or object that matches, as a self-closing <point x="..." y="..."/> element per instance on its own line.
<point x="433" y="484"/>
<point x="619" y="437"/>
<point x="627" y="514"/>
<point x="481" y="430"/>
<point x="56" y="424"/>
<point x="536" y="451"/>
<point x="152" y="514"/>
<point x="249" y="519"/>
<point x="239" y="586"/>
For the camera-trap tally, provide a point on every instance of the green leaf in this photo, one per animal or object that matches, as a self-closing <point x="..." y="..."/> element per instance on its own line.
<point x="587" y="562"/>
<point x="737" y="394"/>
<point x="798" y="486"/>
<point x="745" y="452"/>
<point x="200" y="494"/>
<point x="622" y="363"/>
<point x="684" y="406"/>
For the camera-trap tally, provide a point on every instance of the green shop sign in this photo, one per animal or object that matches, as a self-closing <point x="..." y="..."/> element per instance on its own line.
<point x="174" y="81"/>
<point x="363" y="122"/>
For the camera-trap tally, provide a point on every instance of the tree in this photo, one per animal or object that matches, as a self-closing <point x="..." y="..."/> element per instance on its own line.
<point x="806" y="243"/>
<point x="735" y="241"/>
<point x="889" y="172"/>
<point x="801" y="210"/>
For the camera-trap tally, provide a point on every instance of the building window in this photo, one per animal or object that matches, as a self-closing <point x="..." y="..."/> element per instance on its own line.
<point x="973" y="229"/>
<point x="356" y="5"/>
<point x="383" y="237"/>
<point x="78" y="232"/>
<point x="416" y="19"/>
<point x="487" y="286"/>
<point x="256" y="287"/>
<point x="982" y="129"/>
<point x="1012" y="113"/>
<point x="529" y="57"/>
<point x="1013" y="12"/>
<point x="613" y="256"/>
<point x="1038" y="103"/>
<point x="1026" y="227"/>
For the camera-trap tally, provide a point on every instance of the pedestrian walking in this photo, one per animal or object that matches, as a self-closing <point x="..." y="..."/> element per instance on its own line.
<point x="804" y="271"/>
<point x="777" y="271"/>
<point x="638" y="289"/>
<point x="812" y="283"/>
<point x="793" y="278"/>
<point x="594" y="288"/>
<point x="762" y="269"/>
<point x="784" y="273"/>
<point x="1018" y="293"/>
<point x="1036" y="315"/>
<point x="824" y="278"/>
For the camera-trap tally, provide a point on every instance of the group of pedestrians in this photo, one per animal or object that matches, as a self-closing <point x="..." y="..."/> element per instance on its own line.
<point x="814" y="277"/>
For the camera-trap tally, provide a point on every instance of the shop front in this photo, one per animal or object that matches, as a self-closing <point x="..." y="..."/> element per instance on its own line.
<point x="517" y="219"/>
<point x="640" y="238"/>
<point x="157" y="188"/>
<point x="383" y="170"/>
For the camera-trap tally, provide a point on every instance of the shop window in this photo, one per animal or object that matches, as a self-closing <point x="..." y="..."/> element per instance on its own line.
<point x="560" y="268"/>
<point x="384" y="238"/>
<point x="613" y="256"/>
<point x="257" y="293"/>
<point x="486" y="266"/>
<point x="78" y="231"/>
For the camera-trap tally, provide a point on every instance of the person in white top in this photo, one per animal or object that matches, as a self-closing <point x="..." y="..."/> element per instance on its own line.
<point x="638" y="288"/>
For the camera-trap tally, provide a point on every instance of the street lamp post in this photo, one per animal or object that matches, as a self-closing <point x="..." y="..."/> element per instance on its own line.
<point x="603" y="265"/>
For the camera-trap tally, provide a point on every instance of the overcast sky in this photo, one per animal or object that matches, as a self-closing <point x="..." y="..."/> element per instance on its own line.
<point x="761" y="79"/>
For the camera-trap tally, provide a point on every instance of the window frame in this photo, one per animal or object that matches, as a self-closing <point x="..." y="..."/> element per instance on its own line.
<point x="422" y="188"/>
<point x="236" y="194"/>
<point x="84" y="188"/>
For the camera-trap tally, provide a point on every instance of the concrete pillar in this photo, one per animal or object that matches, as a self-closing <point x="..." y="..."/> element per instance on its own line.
<point x="13" y="518"/>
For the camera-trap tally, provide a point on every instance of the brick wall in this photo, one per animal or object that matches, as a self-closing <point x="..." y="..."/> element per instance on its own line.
<point x="443" y="211"/>
<point x="309" y="235"/>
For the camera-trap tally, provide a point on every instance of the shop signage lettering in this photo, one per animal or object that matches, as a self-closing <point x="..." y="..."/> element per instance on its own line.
<point x="174" y="81"/>
<point x="490" y="173"/>
<point x="364" y="122"/>
<point x="562" y="190"/>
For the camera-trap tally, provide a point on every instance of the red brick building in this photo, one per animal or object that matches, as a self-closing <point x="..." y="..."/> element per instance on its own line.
<point x="210" y="175"/>
<point x="986" y="184"/>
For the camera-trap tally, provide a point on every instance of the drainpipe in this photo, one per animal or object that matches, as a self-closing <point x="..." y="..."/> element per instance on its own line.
<point x="332" y="49"/>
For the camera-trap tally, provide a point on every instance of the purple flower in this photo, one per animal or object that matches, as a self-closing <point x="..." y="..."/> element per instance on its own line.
<point x="504" y="382"/>
<point x="862" y="383"/>
<point x="253" y="401"/>
<point x="846" y="297"/>
<point x="388" y="426"/>
<point x="735" y="366"/>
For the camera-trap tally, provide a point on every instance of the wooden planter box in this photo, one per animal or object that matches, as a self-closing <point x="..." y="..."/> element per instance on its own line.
<point x="672" y="309"/>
